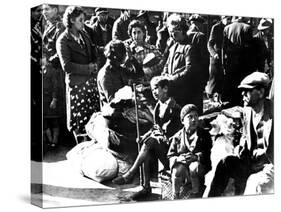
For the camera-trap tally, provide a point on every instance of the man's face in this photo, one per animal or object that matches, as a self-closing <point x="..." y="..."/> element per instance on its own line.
<point x="252" y="96"/>
<point x="103" y="18"/>
<point x="36" y="13"/>
<point x="159" y="93"/>
<point x="190" y="121"/>
<point x="49" y="12"/>
<point x="176" y="34"/>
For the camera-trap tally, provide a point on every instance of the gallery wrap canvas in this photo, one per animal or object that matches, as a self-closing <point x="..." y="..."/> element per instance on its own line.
<point x="101" y="132"/>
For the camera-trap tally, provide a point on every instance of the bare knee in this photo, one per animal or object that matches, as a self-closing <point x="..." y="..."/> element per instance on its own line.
<point x="179" y="170"/>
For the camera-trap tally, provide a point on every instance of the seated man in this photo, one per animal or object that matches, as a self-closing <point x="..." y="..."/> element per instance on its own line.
<point x="155" y="141"/>
<point x="189" y="153"/>
<point x="254" y="155"/>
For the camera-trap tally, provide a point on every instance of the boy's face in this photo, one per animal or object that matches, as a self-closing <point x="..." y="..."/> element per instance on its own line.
<point x="190" y="121"/>
<point x="159" y="93"/>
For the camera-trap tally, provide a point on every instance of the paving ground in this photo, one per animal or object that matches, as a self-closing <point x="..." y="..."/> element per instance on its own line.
<point x="63" y="186"/>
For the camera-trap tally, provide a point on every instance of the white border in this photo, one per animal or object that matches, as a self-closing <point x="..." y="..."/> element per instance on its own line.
<point x="15" y="164"/>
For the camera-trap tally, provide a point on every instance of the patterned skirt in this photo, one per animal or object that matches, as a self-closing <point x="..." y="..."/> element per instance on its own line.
<point x="82" y="102"/>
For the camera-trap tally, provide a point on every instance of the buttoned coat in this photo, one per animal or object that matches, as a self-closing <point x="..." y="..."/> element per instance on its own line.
<point x="75" y="59"/>
<point x="202" y="148"/>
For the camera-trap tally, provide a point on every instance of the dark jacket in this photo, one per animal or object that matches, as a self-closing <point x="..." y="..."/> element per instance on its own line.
<point x="200" y="54"/>
<point x="263" y="52"/>
<point x="170" y="122"/>
<point x="120" y="28"/>
<point x="49" y="38"/>
<point x="97" y="34"/>
<point x="74" y="59"/>
<point x="202" y="148"/>
<point x="216" y="39"/>
<point x="249" y="137"/>
<point x="110" y="79"/>
<point x="186" y="76"/>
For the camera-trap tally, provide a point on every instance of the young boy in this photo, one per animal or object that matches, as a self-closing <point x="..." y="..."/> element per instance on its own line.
<point x="156" y="140"/>
<point x="189" y="153"/>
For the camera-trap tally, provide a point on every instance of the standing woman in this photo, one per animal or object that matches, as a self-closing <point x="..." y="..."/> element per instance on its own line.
<point x="78" y="60"/>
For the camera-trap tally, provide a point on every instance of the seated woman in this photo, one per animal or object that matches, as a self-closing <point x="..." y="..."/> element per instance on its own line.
<point x="189" y="153"/>
<point x="138" y="49"/>
<point x="155" y="141"/>
<point x="111" y="78"/>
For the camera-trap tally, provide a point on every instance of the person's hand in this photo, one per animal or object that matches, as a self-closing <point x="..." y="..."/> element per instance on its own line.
<point x="53" y="103"/>
<point x="258" y="152"/>
<point x="181" y="159"/>
<point x="190" y="157"/>
<point x="216" y="56"/>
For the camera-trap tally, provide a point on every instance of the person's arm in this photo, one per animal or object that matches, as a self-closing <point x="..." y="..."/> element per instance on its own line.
<point x="64" y="53"/>
<point x="116" y="30"/>
<point x="212" y="42"/>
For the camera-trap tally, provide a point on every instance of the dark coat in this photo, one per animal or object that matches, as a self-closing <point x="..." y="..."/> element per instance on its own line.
<point x="202" y="149"/>
<point x="200" y="54"/>
<point x="75" y="59"/>
<point x="215" y="69"/>
<point x="110" y="79"/>
<point x="120" y="28"/>
<point x="49" y="38"/>
<point x="263" y="52"/>
<point x="170" y="122"/>
<point x="249" y="137"/>
<point x="186" y="78"/>
<point x="97" y="34"/>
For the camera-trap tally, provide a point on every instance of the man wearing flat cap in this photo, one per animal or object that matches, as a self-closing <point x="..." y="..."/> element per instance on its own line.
<point x="252" y="165"/>
<point x="189" y="154"/>
<point x="239" y="58"/>
<point x="264" y="46"/>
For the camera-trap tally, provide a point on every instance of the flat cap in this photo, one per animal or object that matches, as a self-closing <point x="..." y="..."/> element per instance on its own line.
<point x="255" y="79"/>
<point x="100" y="10"/>
<point x="187" y="109"/>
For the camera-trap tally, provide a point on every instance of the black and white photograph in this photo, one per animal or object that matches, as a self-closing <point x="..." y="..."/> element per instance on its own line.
<point x="140" y="105"/>
<point x="131" y="105"/>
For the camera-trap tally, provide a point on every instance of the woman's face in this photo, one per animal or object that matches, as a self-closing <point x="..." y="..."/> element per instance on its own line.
<point x="78" y="22"/>
<point x="138" y="35"/>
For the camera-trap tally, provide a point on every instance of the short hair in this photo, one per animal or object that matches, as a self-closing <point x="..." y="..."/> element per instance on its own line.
<point x="134" y="24"/>
<point x="71" y="12"/>
<point x="115" y="50"/>
<point x="160" y="81"/>
<point x="177" y="21"/>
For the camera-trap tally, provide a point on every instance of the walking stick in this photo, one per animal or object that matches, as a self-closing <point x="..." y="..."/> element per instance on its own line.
<point x="138" y="133"/>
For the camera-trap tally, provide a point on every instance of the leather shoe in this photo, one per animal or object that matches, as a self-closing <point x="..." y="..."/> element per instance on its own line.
<point x="146" y="191"/>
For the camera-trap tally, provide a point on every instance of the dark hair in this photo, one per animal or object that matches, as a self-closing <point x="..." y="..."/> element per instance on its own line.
<point x="115" y="50"/>
<point x="160" y="81"/>
<point x="134" y="24"/>
<point x="177" y="21"/>
<point x="71" y="12"/>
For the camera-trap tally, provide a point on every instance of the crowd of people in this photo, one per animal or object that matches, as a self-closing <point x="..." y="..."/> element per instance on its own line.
<point x="85" y="63"/>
